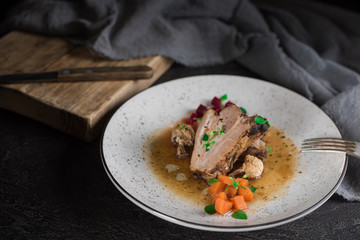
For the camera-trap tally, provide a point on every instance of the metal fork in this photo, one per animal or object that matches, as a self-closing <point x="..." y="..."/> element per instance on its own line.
<point x="331" y="145"/>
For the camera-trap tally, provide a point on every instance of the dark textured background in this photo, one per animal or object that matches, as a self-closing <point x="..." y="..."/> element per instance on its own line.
<point x="53" y="186"/>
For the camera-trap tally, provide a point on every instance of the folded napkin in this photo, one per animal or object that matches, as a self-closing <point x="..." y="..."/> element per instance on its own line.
<point x="311" y="48"/>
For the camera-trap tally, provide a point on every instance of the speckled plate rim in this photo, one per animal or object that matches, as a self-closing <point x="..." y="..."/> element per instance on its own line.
<point x="208" y="227"/>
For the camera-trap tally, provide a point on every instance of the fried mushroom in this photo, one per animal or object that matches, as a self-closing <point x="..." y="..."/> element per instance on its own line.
<point x="181" y="136"/>
<point x="252" y="167"/>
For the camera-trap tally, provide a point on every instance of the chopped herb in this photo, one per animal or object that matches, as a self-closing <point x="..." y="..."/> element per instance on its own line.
<point x="220" y="131"/>
<point x="208" y="146"/>
<point x="253" y="189"/>
<point x="210" y="209"/>
<point x="182" y="126"/>
<point x="211" y="181"/>
<point x="197" y="119"/>
<point x="205" y="137"/>
<point x="259" y="120"/>
<point x="243" y="110"/>
<point x="268" y="149"/>
<point x="267" y="123"/>
<point x="234" y="183"/>
<point x="245" y="176"/>
<point x="224" y="97"/>
<point x="239" y="214"/>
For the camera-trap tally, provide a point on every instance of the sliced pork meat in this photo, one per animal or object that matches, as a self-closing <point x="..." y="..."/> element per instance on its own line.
<point x="239" y="152"/>
<point x="231" y="138"/>
<point x="224" y="148"/>
<point x="182" y="136"/>
<point x="257" y="149"/>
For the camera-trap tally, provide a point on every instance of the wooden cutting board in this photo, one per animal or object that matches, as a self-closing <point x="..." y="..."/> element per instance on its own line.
<point x="80" y="109"/>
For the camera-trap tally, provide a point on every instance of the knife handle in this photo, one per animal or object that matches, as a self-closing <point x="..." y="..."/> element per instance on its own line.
<point x="105" y="73"/>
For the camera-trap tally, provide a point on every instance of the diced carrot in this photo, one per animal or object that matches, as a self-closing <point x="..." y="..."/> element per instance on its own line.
<point x="246" y="193"/>
<point x="231" y="191"/>
<point x="221" y="195"/>
<point x="239" y="203"/>
<point x="223" y="206"/>
<point x="216" y="187"/>
<point x="225" y="179"/>
<point x="243" y="182"/>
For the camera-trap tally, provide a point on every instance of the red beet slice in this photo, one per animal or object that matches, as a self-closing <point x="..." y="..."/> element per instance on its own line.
<point x="216" y="102"/>
<point x="191" y="119"/>
<point x="217" y="109"/>
<point x="200" y="110"/>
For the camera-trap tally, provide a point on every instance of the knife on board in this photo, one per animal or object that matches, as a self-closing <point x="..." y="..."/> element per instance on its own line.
<point x="140" y="72"/>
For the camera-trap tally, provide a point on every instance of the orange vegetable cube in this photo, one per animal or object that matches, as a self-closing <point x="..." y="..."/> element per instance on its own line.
<point x="221" y="195"/>
<point x="216" y="187"/>
<point x="223" y="206"/>
<point x="225" y="179"/>
<point x="231" y="191"/>
<point x="239" y="203"/>
<point x="246" y="193"/>
<point x="243" y="182"/>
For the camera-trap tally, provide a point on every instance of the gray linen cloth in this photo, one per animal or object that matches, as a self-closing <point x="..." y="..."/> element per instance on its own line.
<point x="311" y="48"/>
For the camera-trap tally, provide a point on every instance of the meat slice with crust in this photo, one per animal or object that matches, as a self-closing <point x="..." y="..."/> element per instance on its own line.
<point x="227" y="147"/>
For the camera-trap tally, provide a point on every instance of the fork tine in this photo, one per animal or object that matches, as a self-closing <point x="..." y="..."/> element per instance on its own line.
<point x="349" y="147"/>
<point x="322" y="150"/>
<point x="339" y="140"/>
<point x="331" y="145"/>
<point x="327" y="144"/>
<point x="327" y="147"/>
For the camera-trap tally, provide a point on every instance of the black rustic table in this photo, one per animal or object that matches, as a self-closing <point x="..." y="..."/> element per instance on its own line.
<point x="53" y="186"/>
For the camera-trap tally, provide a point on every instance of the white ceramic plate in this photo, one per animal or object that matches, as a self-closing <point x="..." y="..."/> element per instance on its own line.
<point x="163" y="104"/>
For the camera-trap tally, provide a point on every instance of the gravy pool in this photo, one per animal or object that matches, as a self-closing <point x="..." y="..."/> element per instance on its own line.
<point x="174" y="173"/>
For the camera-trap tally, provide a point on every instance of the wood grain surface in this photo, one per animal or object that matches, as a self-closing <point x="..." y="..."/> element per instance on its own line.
<point x="78" y="108"/>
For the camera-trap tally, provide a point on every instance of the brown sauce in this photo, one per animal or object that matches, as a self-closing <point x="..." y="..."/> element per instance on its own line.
<point x="159" y="152"/>
<point x="279" y="167"/>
